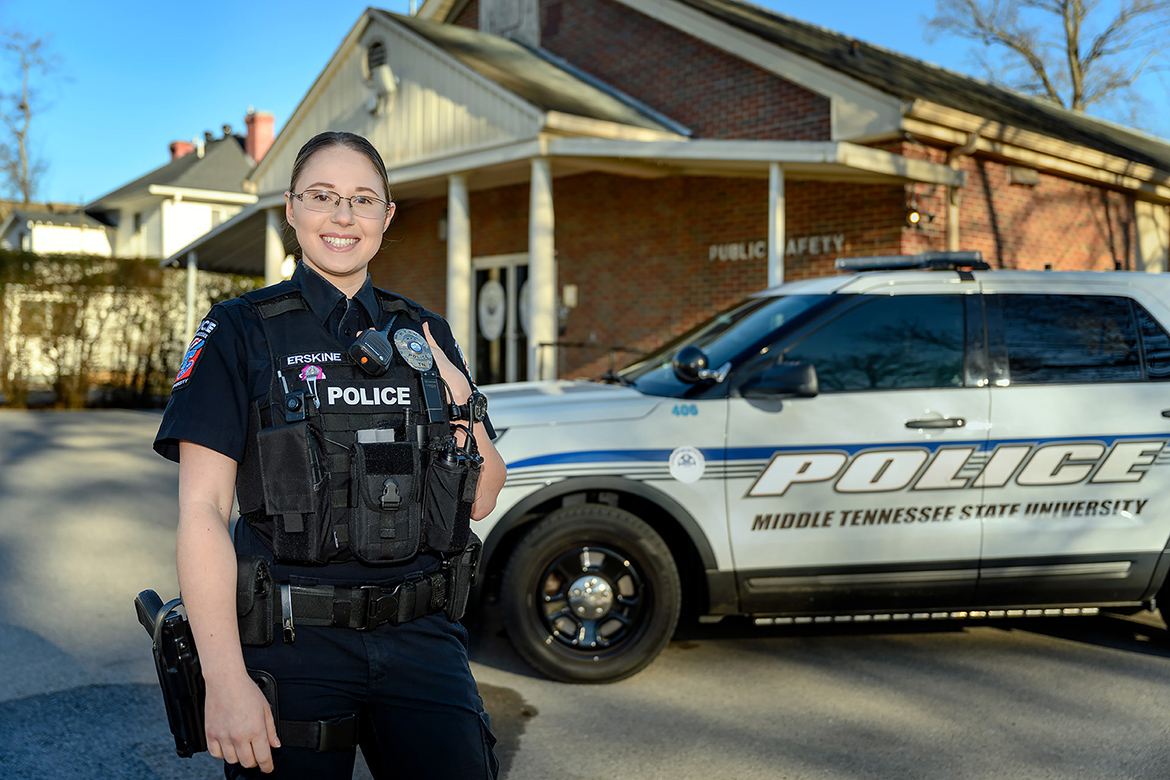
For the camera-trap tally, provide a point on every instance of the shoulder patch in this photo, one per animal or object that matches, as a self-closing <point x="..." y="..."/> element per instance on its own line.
<point x="187" y="368"/>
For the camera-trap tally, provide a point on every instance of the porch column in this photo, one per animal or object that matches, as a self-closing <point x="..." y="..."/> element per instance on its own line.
<point x="192" y="280"/>
<point x="776" y="238"/>
<point x="273" y="247"/>
<point x="955" y="194"/>
<point x="954" y="198"/>
<point x="542" y="275"/>
<point x="459" y="273"/>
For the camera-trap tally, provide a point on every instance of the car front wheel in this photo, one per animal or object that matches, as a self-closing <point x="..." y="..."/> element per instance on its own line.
<point x="591" y="594"/>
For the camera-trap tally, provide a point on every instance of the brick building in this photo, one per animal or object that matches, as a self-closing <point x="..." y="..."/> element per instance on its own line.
<point x="574" y="176"/>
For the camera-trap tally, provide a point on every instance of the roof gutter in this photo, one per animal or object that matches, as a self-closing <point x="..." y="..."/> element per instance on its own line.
<point x="187" y="193"/>
<point x="860" y="159"/>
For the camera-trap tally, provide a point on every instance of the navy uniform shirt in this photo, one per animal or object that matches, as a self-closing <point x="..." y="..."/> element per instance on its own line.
<point x="227" y="367"/>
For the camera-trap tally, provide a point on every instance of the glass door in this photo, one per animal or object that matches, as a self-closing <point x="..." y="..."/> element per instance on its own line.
<point x="499" y="313"/>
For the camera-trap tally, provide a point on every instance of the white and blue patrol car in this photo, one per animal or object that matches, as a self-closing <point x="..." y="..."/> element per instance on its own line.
<point x="942" y="442"/>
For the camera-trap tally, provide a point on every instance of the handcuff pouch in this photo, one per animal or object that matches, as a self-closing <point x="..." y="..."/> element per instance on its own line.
<point x="255" y="601"/>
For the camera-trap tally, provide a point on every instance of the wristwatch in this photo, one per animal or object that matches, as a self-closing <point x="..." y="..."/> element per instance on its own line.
<point x="474" y="410"/>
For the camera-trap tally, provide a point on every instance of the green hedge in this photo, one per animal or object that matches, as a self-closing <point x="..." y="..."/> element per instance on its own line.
<point x="84" y="330"/>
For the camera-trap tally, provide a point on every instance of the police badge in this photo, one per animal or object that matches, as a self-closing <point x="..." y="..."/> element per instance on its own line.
<point x="414" y="349"/>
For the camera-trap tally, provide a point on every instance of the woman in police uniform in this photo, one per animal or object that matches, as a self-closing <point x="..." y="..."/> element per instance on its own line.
<point x="339" y="492"/>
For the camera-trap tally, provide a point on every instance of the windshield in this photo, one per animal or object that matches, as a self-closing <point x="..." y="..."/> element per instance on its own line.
<point x="742" y="328"/>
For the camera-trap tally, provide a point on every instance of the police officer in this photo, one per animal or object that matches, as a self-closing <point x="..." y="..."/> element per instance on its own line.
<point x="356" y="469"/>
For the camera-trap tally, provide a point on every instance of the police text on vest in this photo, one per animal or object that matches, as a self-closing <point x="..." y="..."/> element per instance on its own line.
<point x="368" y="396"/>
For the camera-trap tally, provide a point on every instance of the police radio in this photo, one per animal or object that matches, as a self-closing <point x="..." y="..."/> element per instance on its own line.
<point x="372" y="351"/>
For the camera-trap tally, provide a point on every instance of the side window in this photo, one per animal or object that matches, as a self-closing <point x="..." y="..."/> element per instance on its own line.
<point x="1069" y="338"/>
<point x="889" y="343"/>
<point x="1155" y="345"/>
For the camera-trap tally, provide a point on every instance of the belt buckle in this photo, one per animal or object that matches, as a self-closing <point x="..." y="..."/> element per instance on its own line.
<point x="381" y="607"/>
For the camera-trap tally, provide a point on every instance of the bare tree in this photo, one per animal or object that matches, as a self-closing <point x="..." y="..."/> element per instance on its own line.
<point x="20" y="168"/>
<point x="1080" y="54"/>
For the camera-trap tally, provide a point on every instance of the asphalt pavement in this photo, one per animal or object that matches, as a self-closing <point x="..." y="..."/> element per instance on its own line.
<point x="87" y="518"/>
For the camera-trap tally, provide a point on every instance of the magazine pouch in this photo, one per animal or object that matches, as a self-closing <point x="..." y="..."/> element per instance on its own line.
<point x="296" y="494"/>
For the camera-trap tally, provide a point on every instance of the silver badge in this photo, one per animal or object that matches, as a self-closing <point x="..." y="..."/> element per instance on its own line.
<point x="414" y="349"/>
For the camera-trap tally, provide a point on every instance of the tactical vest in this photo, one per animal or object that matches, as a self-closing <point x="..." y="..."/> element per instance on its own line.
<point x="340" y="464"/>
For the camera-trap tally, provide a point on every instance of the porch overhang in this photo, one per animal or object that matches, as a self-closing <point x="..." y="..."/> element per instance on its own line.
<point x="238" y="245"/>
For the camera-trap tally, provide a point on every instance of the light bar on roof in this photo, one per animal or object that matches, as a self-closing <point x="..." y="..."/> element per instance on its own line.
<point x="933" y="261"/>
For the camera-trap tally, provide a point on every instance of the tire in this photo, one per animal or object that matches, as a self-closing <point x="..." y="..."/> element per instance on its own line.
<point x="590" y="595"/>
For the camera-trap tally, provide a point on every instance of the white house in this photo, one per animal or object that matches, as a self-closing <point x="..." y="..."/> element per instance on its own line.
<point x="43" y="231"/>
<point x="202" y="186"/>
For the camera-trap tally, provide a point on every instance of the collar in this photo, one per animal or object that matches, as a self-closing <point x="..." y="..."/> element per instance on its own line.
<point x="323" y="297"/>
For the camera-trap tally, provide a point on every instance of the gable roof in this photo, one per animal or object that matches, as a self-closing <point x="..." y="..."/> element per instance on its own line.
<point x="222" y="168"/>
<point x="536" y="76"/>
<point x="908" y="78"/>
<point x="57" y="218"/>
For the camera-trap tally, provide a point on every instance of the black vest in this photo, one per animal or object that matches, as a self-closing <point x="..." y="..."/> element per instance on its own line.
<point x="340" y="464"/>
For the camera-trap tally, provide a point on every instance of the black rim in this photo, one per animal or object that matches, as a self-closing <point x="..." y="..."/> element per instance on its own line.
<point x="592" y="599"/>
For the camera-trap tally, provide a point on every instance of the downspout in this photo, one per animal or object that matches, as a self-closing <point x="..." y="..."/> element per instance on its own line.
<point x="955" y="194"/>
<point x="192" y="289"/>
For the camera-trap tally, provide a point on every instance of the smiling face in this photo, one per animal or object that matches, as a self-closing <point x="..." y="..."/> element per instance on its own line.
<point x="337" y="244"/>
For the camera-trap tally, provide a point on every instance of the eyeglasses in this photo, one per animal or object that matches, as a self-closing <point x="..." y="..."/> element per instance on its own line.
<point x="326" y="201"/>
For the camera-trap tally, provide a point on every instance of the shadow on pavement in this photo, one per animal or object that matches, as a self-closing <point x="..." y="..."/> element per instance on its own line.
<point x="1143" y="633"/>
<point x="115" y="732"/>
<point x="510" y="713"/>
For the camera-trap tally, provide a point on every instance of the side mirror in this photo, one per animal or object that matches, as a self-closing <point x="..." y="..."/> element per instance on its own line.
<point x="784" y="380"/>
<point x="689" y="364"/>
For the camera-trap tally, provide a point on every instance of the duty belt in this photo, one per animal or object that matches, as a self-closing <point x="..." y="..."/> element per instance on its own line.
<point x="364" y="607"/>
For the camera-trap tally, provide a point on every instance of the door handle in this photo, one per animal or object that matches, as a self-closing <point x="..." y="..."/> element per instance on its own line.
<point x="945" y="422"/>
<point x="1166" y="412"/>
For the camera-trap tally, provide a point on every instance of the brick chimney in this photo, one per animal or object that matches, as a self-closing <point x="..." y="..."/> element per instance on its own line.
<point x="181" y="149"/>
<point x="260" y="134"/>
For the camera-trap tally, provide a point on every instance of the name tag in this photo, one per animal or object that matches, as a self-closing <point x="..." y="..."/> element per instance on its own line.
<point x="311" y="358"/>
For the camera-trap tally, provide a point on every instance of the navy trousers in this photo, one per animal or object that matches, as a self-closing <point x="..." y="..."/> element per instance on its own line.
<point x="419" y="711"/>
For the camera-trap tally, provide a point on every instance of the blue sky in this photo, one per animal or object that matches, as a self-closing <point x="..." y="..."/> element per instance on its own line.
<point x="134" y="76"/>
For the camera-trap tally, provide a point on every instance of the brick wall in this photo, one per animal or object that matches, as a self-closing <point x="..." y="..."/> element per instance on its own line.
<point x="709" y="91"/>
<point x="412" y="260"/>
<point x="1067" y="224"/>
<point x="640" y="250"/>
<point x="469" y="16"/>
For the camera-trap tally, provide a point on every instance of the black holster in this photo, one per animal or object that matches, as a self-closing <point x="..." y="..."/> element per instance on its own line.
<point x="461" y="570"/>
<point x="177" y="662"/>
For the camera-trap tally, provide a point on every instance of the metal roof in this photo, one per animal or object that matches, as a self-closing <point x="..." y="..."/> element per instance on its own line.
<point x="536" y="76"/>
<point x="222" y="168"/>
<point x="61" y="219"/>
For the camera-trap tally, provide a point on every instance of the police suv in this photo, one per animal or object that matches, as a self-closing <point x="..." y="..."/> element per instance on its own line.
<point x="935" y="443"/>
